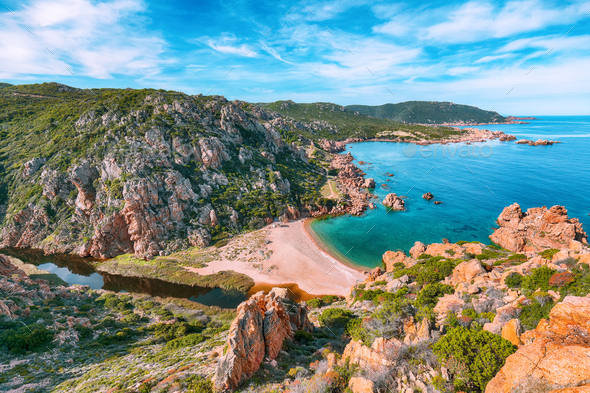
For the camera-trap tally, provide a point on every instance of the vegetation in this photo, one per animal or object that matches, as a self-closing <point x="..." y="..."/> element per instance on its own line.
<point x="473" y="356"/>
<point x="337" y="122"/>
<point x="429" y="112"/>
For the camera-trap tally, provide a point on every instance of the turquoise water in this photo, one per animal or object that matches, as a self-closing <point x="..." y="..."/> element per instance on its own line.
<point x="474" y="182"/>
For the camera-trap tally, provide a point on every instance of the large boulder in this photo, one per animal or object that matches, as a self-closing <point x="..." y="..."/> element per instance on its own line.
<point x="556" y="354"/>
<point x="262" y="324"/>
<point x="390" y="258"/>
<point x="467" y="271"/>
<point x="537" y="229"/>
<point x="418" y="249"/>
<point x="394" y="202"/>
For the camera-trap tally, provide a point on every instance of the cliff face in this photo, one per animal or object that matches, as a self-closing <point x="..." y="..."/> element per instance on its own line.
<point x="262" y="324"/>
<point x="145" y="172"/>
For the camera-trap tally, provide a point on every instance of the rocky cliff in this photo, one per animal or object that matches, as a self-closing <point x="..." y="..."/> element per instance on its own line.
<point x="537" y="229"/>
<point x="108" y="172"/>
<point x="258" y="332"/>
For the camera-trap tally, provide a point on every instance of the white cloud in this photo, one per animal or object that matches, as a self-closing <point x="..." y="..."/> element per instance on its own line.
<point x="83" y="36"/>
<point x="476" y="21"/>
<point x="224" y="45"/>
<point x="487" y="59"/>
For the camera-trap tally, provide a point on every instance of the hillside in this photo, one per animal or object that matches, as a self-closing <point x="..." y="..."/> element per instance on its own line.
<point x="429" y="112"/>
<point x="116" y="171"/>
<point x="337" y="122"/>
<point x="109" y="172"/>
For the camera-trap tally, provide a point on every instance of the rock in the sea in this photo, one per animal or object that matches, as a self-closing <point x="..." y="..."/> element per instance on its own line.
<point x="428" y="196"/>
<point x="394" y="202"/>
<point x="537" y="229"/>
<point x="555" y="355"/>
<point x="437" y="202"/>
<point x="369" y="183"/>
<point x="262" y="324"/>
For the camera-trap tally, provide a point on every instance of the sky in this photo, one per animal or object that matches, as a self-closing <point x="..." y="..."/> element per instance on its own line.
<point x="517" y="57"/>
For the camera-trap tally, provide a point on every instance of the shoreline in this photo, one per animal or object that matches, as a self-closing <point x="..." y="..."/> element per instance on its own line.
<point x="325" y="247"/>
<point x="287" y="254"/>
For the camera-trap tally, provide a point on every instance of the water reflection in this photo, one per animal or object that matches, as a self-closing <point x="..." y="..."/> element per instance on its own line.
<point x="76" y="270"/>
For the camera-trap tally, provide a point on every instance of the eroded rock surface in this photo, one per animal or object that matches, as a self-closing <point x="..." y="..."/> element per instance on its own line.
<point x="556" y="354"/>
<point x="262" y="324"/>
<point x="537" y="229"/>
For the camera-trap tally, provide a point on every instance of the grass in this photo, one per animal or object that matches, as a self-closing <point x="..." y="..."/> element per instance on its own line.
<point x="170" y="269"/>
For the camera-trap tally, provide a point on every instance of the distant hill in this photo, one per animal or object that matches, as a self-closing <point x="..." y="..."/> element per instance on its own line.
<point x="336" y="122"/>
<point x="2" y="84"/>
<point x="429" y="112"/>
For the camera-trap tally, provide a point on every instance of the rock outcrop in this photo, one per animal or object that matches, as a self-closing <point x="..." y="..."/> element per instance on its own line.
<point x="262" y="324"/>
<point x="428" y="196"/>
<point x="394" y="202"/>
<point x="556" y="354"/>
<point x="145" y="186"/>
<point x="537" y="229"/>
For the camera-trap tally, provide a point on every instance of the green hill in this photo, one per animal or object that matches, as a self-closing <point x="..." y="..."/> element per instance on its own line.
<point x="115" y="171"/>
<point x="332" y="121"/>
<point x="429" y="112"/>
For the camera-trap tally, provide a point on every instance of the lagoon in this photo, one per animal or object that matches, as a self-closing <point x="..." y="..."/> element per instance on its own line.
<point x="473" y="182"/>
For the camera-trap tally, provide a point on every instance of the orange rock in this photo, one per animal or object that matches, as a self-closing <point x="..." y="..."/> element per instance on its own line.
<point x="390" y="258"/>
<point x="512" y="331"/>
<point x="556" y="353"/>
<point x="361" y="385"/>
<point x="259" y="329"/>
<point x="579" y="389"/>
<point x="438" y="249"/>
<point x="537" y="229"/>
<point x="467" y="271"/>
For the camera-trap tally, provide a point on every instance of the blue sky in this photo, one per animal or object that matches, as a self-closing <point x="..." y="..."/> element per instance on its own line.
<point x="519" y="57"/>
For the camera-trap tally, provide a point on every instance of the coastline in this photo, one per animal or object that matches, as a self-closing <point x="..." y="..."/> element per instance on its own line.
<point x="325" y="247"/>
<point x="287" y="254"/>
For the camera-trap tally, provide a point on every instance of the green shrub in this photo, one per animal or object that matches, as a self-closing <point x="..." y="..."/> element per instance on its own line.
<point x="534" y="312"/>
<point x="131" y="318"/>
<point x="538" y="279"/>
<point x="186" y="341"/>
<point x="335" y="317"/>
<point x="314" y="303"/>
<point x="429" y="295"/>
<point x="517" y="258"/>
<point x="514" y="280"/>
<point x="303" y="336"/>
<point x="199" y="384"/>
<point x="548" y="254"/>
<point x="560" y="280"/>
<point x="482" y="352"/>
<point x="25" y="338"/>
<point x="329" y="299"/>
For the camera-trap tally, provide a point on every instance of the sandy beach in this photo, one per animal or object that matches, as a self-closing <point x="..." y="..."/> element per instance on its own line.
<point x="289" y="255"/>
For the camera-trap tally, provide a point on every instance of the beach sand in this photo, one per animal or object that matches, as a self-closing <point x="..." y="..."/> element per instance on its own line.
<point x="288" y="254"/>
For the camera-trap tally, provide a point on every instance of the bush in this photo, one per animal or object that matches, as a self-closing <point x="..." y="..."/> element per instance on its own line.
<point x="538" y="279"/>
<point x="429" y="295"/>
<point x="25" y="338"/>
<point x="314" y="303"/>
<point x="199" y="384"/>
<point x="482" y="352"/>
<point x="186" y="341"/>
<point x="131" y="318"/>
<point x="560" y="280"/>
<point x="335" y="317"/>
<point x="303" y="336"/>
<point x="514" y="280"/>
<point x="534" y="312"/>
<point x="548" y="254"/>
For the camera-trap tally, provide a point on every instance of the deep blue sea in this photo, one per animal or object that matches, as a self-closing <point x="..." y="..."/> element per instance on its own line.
<point x="474" y="182"/>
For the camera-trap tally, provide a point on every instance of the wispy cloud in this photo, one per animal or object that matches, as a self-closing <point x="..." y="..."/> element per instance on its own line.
<point x="228" y="45"/>
<point x="81" y="35"/>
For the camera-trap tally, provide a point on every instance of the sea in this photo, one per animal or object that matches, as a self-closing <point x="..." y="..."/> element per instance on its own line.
<point x="474" y="182"/>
